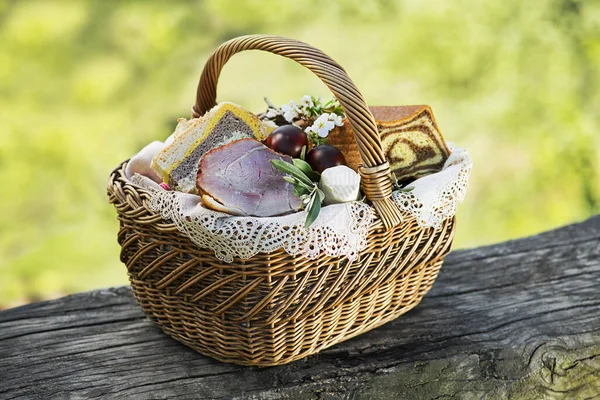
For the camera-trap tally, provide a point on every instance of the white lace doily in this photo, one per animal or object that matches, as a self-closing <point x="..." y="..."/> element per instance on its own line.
<point x="435" y="197"/>
<point x="339" y="230"/>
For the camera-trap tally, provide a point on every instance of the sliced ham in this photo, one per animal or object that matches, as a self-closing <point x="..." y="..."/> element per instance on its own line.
<point x="240" y="176"/>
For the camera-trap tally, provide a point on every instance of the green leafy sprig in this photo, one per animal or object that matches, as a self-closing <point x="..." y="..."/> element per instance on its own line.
<point x="316" y="139"/>
<point x="332" y="106"/>
<point x="303" y="114"/>
<point x="305" y="182"/>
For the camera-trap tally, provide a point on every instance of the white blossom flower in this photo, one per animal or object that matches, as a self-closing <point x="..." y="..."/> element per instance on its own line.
<point x="322" y="126"/>
<point x="270" y="124"/>
<point x="336" y="119"/>
<point x="272" y="113"/>
<point x="307" y="101"/>
<point x="290" y="111"/>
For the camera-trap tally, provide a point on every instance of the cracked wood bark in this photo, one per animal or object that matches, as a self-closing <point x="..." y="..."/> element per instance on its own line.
<point x="518" y="320"/>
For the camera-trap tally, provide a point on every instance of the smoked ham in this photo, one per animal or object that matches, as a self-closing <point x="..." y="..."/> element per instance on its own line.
<point x="177" y="164"/>
<point x="240" y="176"/>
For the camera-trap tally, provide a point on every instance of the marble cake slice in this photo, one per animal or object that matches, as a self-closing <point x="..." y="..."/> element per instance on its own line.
<point x="177" y="164"/>
<point x="411" y="139"/>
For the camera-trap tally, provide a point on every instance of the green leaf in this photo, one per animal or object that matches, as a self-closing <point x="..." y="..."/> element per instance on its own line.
<point x="300" y="187"/>
<point x="310" y="187"/>
<point x="303" y="153"/>
<point x="320" y="195"/>
<point x="289" y="179"/>
<point x="292" y="170"/>
<point x="313" y="209"/>
<point x="307" y="169"/>
<point x="299" y="191"/>
<point x="302" y="166"/>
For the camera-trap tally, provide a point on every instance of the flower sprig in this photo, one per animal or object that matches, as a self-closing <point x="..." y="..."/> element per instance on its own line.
<point x="317" y="118"/>
<point x="312" y="107"/>
<point x="319" y="130"/>
<point x="305" y="182"/>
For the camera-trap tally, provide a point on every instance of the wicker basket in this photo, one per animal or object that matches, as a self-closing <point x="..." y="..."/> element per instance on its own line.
<point x="275" y="308"/>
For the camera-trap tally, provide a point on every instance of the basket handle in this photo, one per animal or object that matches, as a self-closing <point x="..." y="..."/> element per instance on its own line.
<point x="375" y="171"/>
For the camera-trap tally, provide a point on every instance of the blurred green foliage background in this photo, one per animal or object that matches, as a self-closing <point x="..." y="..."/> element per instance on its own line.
<point x="85" y="84"/>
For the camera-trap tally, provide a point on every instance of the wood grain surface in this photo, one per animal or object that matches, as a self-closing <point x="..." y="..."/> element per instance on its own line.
<point x="517" y="320"/>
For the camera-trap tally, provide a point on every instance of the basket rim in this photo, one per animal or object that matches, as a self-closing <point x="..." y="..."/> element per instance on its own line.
<point x="125" y="194"/>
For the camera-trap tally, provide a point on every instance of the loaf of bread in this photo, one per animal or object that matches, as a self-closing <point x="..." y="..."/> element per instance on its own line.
<point x="411" y="141"/>
<point x="177" y="164"/>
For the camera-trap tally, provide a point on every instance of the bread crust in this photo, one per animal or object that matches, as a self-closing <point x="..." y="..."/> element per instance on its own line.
<point x="412" y="141"/>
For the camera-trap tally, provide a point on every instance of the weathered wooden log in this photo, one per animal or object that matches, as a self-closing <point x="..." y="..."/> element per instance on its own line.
<point x="518" y="320"/>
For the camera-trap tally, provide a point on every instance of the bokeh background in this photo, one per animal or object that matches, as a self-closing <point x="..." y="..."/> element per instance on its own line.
<point x="85" y="84"/>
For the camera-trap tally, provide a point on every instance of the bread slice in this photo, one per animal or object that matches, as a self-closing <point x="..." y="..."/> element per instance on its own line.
<point x="177" y="164"/>
<point x="411" y="139"/>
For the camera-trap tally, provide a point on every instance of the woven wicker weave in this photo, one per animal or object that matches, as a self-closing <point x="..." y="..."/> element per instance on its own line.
<point x="275" y="308"/>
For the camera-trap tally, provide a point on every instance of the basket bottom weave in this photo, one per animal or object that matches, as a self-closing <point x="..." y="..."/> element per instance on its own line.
<point x="278" y="343"/>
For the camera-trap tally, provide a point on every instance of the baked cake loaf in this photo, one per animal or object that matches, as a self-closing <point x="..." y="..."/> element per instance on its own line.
<point x="411" y="139"/>
<point x="177" y="164"/>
